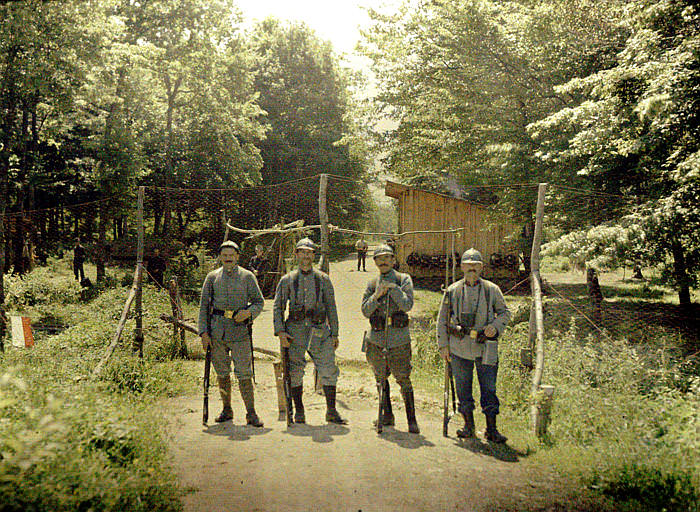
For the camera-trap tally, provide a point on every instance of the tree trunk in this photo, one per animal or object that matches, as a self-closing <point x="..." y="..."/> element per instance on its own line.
<point x="680" y="271"/>
<point x="101" y="240"/>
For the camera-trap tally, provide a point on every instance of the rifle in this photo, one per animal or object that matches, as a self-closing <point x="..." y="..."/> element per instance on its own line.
<point x="252" y="356"/>
<point x="380" y="411"/>
<point x="449" y="386"/>
<point x="287" y="385"/>
<point x="207" y="371"/>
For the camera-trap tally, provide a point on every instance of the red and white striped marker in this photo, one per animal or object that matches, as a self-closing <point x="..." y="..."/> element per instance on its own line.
<point x="22" y="336"/>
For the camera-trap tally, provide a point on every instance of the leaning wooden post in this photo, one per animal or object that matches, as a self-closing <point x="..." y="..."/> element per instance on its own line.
<point x="225" y="223"/>
<point x="323" y="220"/>
<point x="541" y="398"/>
<point x="120" y="325"/>
<point x="138" y="333"/>
<point x="179" y="345"/>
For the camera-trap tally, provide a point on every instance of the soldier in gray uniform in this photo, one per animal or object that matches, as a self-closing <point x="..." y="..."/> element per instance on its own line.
<point x="472" y="316"/>
<point x="311" y="325"/>
<point x="230" y="300"/>
<point x="386" y="302"/>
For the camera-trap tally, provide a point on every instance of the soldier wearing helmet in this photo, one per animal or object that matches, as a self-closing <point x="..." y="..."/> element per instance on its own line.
<point x="386" y="302"/>
<point x="472" y="316"/>
<point x="311" y="324"/>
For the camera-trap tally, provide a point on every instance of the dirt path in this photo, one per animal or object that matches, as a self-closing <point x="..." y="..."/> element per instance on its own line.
<point x="326" y="467"/>
<point x="349" y="285"/>
<point x="322" y="467"/>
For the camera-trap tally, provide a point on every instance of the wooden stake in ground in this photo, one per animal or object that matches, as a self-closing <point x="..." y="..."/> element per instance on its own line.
<point x="323" y="218"/>
<point x="179" y="345"/>
<point x="538" y="422"/>
<point x="120" y="325"/>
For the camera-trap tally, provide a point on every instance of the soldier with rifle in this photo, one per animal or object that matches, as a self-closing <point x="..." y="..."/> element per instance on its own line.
<point x="229" y="303"/>
<point x="472" y="316"/>
<point x="386" y="302"/>
<point x="311" y="325"/>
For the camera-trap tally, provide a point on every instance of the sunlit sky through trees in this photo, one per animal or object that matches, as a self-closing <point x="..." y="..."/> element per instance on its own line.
<point x="337" y="21"/>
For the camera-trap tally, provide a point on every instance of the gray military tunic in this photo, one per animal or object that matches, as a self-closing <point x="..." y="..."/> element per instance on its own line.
<point x="307" y="336"/>
<point x="397" y="340"/>
<point x="229" y="291"/>
<point x="485" y="299"/>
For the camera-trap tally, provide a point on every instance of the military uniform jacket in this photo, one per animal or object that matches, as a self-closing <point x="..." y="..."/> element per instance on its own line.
<point x="400" y="299"/>
<point x="491" y="309"/>
<point x="305" y="294"/>
<point x="231" y="291"/>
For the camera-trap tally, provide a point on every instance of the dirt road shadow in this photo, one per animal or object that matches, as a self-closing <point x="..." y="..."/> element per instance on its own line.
<point x="501" y="452"/>
<point x="404" y="439"/>
<point x="317" y="433"/>
<point x="235" y="432"/>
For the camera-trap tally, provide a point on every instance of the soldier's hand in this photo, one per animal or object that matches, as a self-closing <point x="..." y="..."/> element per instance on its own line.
<point x="445" y="354"/>
<point x="243" y="314"/>
<point x="383" y="288"/>
<point x="285" y="339"/>
<point x="336" y="342"/>
<point x="490" y="331"/>
<point x="206" y="340"/>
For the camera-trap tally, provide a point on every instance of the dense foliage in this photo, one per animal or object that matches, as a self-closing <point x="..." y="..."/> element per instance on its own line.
<point x="600" y="98"/>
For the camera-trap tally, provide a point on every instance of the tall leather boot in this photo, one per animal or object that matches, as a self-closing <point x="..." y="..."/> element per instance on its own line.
<point x="468" y="431"/>
<point x="492" y="434"/>
<point x="225" y="392"/>
<point x="299" y="416"/>
<point x="332" y="415"/>
<point x="387" y="412"/>
<point x="409" y="400"/>
<point x="246" y="388"/>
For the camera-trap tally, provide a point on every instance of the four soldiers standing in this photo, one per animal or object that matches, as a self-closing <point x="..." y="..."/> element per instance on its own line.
<point x="472" y="316"/>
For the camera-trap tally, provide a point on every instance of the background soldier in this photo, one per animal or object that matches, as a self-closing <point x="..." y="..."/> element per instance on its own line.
<point x="361" y="248"/>
<point x="156" y="267"/>
<point x="261" y="268"/>
<point x="386" y="301"/>
<point x="230" y="299"/>
<point x="472" y="315"/>
<point x="312" y="324"/>
<point x="78" y="260"/>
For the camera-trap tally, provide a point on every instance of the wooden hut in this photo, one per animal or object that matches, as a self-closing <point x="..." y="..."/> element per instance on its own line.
<point x="424" y="255"/>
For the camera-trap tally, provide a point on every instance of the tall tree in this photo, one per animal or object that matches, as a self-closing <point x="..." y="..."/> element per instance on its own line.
<point x="465" y="78"/>
<point x="306" y="96"/>
<point x="637" y="134"/>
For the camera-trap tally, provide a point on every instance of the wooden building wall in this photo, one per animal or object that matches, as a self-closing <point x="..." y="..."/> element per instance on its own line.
<point x="421" y="210"/>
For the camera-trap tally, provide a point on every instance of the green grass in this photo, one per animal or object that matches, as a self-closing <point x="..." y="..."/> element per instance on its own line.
<point x="72" y="443"/>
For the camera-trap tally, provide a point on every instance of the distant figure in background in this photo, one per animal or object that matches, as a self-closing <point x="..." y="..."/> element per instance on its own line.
<point x="156" y="267"/>
<point x="361" y="248"/>
<point x="78" y="260"/>
<point x="259" y="265"/>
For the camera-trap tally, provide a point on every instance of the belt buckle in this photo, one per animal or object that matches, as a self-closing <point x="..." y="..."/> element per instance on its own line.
<point x="228" y="314"/>
<point x="473" y="334"/>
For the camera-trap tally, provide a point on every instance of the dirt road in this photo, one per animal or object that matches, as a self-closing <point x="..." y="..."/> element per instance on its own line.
<point x="324" y="467"/>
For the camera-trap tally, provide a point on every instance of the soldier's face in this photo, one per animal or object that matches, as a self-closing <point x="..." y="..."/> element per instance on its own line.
<point x="384" y="262"/>
<point x="305" y="258"/>
<point x="471" y="270"/>
<point x="229" y="257"/>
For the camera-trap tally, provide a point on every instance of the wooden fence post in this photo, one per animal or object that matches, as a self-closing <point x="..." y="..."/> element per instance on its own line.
<point x="323" y="220"/>
<point x="179" y="345"/>
<point x="138" y="333"/>
<point x="538" y="412"/>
